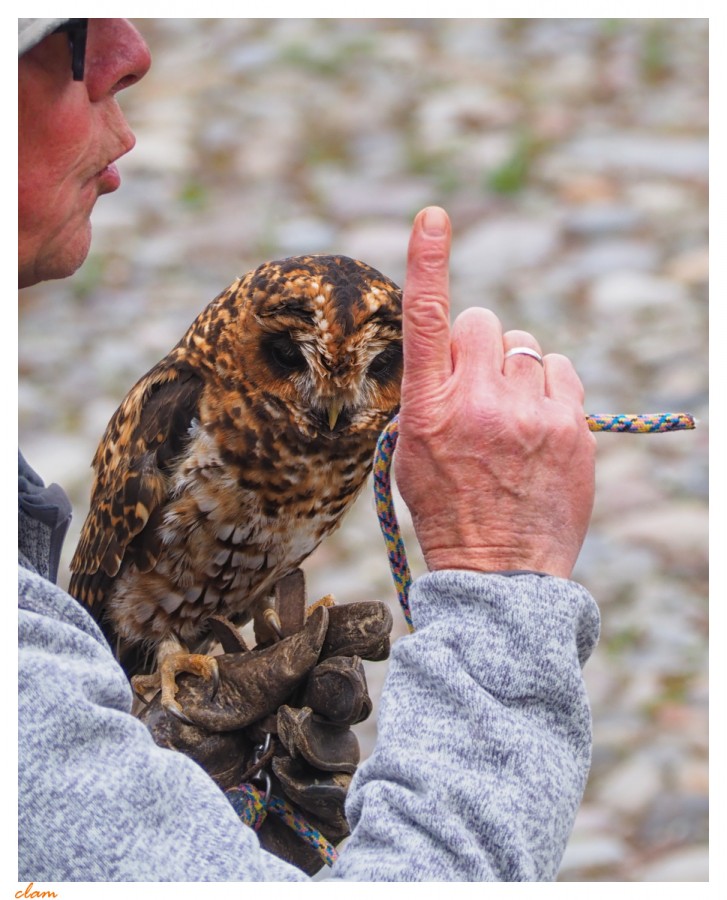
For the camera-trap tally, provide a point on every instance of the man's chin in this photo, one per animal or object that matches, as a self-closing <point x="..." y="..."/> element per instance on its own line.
<point x="59" y="263"/>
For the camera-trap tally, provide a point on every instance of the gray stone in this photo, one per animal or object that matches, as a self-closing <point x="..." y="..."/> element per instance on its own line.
<point x="605" y="256"/>
<point x="688" y="864"/>
<point x="495" y="251"/>
<point x="624" y="292"/>
<point x="636" y="153"/>
<point x="599" y="219"/>
<point x="592" y="851"/>
<point x="678" y="530"/>
<point x="380" y="244"/>
<point x="675" y="819"/>
<point x="303" y="236"/>
<point x="631" y="785"/>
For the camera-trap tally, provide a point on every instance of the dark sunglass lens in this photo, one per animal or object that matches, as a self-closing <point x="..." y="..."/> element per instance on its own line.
<point x="76" y="29"/>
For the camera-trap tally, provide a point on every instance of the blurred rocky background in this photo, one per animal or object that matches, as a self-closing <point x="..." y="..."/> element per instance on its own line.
<point x="572" y="156"/>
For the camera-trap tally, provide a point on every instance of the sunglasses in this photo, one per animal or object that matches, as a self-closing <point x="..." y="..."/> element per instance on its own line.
<point x="76" y="29"/>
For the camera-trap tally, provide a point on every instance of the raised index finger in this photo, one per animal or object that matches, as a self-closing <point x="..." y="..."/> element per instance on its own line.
<point x="427" y="352"/>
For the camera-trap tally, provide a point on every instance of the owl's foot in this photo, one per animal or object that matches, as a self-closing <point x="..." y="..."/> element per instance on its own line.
<point x="328" y="601"/>
<point x="165" y="678"/>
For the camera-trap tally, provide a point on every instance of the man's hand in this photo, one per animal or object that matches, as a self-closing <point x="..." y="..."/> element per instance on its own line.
<point x="494" y="460"/>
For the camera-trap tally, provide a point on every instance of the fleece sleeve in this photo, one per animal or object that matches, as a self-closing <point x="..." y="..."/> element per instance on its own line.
<point x="479" y="767"/>
<point x="98" y="800"/>
<point x="484" y="735"/>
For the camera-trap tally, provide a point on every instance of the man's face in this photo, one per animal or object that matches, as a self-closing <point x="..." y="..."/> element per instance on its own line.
<point x="69" y="135"/>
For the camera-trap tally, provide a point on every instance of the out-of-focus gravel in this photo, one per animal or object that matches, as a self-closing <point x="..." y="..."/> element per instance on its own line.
<point x="571" y="155"/>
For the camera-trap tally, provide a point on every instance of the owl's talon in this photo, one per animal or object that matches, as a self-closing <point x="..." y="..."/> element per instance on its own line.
<point x="272" y="620"/>
<point x="215" y="679"/>
<point x="141" y="698"/>
<point x="174" y="709"/>
<point x="142" y="684"/>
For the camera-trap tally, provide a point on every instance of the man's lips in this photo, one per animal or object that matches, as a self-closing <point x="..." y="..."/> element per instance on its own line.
<point x="108" y="179"/>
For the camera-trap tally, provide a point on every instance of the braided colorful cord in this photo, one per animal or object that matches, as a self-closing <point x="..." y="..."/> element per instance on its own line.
<point x="323" y="847"/>
<point x="249" y="804"/>
<point x="642" y="423"/>
<point x="388" y="522"/>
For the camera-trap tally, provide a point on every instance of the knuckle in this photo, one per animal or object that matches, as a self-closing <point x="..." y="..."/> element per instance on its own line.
<point x="427" y="311"/>
<point x="516" y="336"/>
<point x="475" y="315"/>
<point x="430" y="259"/>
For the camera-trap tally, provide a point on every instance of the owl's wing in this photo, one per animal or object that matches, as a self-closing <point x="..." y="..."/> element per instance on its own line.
<point x="147" y="432"/>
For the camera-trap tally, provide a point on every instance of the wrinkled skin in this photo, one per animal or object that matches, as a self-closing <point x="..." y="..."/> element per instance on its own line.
<point x="70" y="133"/>
<point x="505" y="441"/>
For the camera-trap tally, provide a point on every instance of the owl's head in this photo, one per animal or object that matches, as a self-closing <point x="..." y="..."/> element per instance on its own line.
<point x="313" y="340"/>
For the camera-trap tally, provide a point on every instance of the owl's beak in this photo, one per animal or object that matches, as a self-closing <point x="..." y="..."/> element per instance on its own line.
<point x="334" y="410"/>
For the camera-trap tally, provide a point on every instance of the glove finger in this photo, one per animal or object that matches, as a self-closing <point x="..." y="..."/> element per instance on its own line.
<point x="359" y="629"/>
<point x="221" y="755"/>
<point x="317" y="793"/>
<point x="327" y="747"/>
<point x="336" y="689"/>
<point x="254" y="684"/>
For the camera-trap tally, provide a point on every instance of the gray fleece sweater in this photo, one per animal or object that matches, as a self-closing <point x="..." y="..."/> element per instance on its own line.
<point x="481" y="759"/>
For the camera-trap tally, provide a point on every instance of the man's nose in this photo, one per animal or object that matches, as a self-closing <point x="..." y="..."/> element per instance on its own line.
<point x="116" y="57"/>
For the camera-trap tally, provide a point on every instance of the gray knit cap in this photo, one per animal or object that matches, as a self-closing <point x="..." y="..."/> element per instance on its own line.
<point x="32" y="32"/>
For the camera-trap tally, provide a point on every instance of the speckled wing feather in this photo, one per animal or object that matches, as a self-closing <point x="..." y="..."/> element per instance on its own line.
<point x="147" y="432"/>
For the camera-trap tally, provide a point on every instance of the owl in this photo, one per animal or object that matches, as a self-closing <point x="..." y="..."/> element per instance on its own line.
<point x="232" y="458"/>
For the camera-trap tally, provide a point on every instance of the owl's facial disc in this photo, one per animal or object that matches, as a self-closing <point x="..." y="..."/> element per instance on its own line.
<point x="331" y="343"/>
<point x="347" y="390"/>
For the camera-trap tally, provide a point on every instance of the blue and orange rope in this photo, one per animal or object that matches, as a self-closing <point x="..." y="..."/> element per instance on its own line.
<point x="253" y="806"/>
<point x="642" y="423"/>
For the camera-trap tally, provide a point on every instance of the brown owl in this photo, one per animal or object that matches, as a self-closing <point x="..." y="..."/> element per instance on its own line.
<point x="230" y="460"/>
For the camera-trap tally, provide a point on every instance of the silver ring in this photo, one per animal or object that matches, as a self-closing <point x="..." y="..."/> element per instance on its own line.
<point x="525" y="351"/>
